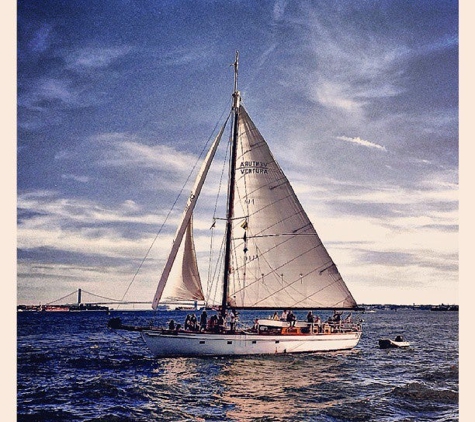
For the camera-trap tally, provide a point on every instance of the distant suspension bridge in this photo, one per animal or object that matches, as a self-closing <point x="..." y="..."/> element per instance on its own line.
<point x="74" y="301"/>
<point x="79" y="300"/>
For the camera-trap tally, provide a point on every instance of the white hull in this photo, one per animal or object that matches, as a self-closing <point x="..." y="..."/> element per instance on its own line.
<point x="164" y="344"/>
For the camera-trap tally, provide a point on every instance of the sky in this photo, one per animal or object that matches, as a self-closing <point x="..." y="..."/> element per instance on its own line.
<point x="116" y="101"/>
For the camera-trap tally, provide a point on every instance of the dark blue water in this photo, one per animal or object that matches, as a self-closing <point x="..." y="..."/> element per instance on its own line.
<point x="72" y="368"/>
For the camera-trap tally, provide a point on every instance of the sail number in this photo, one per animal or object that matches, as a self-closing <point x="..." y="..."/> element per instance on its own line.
<point x="249" y="258"/>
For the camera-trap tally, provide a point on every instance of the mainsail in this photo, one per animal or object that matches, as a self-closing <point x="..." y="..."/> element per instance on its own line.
<point x="278" y="260"/>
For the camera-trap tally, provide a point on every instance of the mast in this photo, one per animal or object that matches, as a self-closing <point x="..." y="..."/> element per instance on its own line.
<point x="232" y="181"/>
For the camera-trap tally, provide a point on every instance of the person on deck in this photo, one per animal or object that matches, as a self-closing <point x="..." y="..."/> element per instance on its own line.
<point x="233" y="320"/>
<point x="317" y="323"/>
<point x="203" y="320"/>
<point x="188" y="322"/>
<point x="213" y="324"/>
<point x="310" y="317"/>
<point x="284" y="315"/>
<point x="193" y="323"/>
<point x="291" y="319"/>
<point x="220" y="324"/>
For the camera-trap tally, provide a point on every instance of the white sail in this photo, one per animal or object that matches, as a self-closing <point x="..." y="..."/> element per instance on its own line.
<point x="184" y="279"/>
<point x="200" y="179"/>
<point x="278" y="260"/>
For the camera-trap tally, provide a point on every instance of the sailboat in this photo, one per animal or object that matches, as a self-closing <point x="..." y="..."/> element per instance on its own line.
<point x="273" y="259"/>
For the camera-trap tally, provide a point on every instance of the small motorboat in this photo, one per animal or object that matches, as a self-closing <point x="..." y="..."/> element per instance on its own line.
<point x="398" y="342"/>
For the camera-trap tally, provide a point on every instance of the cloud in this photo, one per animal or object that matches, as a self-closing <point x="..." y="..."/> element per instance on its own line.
<point x="185" y="56"/>
<point x="362" y="142"/>
<point x="41" y="39"/>
<point x="55" y="210"/>
<point x="41" y="99"/>
<point x="124" y="150"/>
<point x="163" y="167"/>
<point x="279" y="10"/>
<point x="386" y="235"/>
<point x="77" y="226"/>
<point x="94" y="58"/>
<point x="346" y="67"/>
<point x="331" y="94"/>
<point x="81" y="179"/>
<point x="49" y="91"/>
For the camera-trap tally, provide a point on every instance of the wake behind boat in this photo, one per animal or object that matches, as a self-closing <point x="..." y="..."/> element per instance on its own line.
<point x="272" y="259"/>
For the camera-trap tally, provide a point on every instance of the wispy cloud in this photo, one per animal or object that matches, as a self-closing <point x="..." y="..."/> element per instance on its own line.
<point x="279" y="10"/>
<point x="41" y="39"/>
<point x="95" y="58"/>
<point x="137" y="155"/>
<point x="184" y="56"/>
<point x="361" y="142"/>
<point x="334" y="75"/>
<point x="49" y="92"/>
<point x="42" y="98"/>
<point x="81" y="179"/>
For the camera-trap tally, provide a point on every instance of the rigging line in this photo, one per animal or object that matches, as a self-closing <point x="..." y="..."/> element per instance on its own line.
<point x="212" y="271"/>
<point x="220" y="184"/>
<point x="173" y="207"/>
<point x="221" y="181"/>
<point x="217" y="270"/>
<point x="208" y="290"/>
<point x="271" y="185"/>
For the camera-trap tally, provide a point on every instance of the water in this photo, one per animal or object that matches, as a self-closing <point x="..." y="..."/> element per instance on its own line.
<point x="72" y="368"/>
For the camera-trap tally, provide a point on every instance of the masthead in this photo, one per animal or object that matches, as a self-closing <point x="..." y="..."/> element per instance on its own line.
<point x="236" y="94"/>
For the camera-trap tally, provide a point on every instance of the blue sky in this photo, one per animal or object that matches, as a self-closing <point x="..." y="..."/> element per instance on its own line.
<point x="357" y="100"/>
